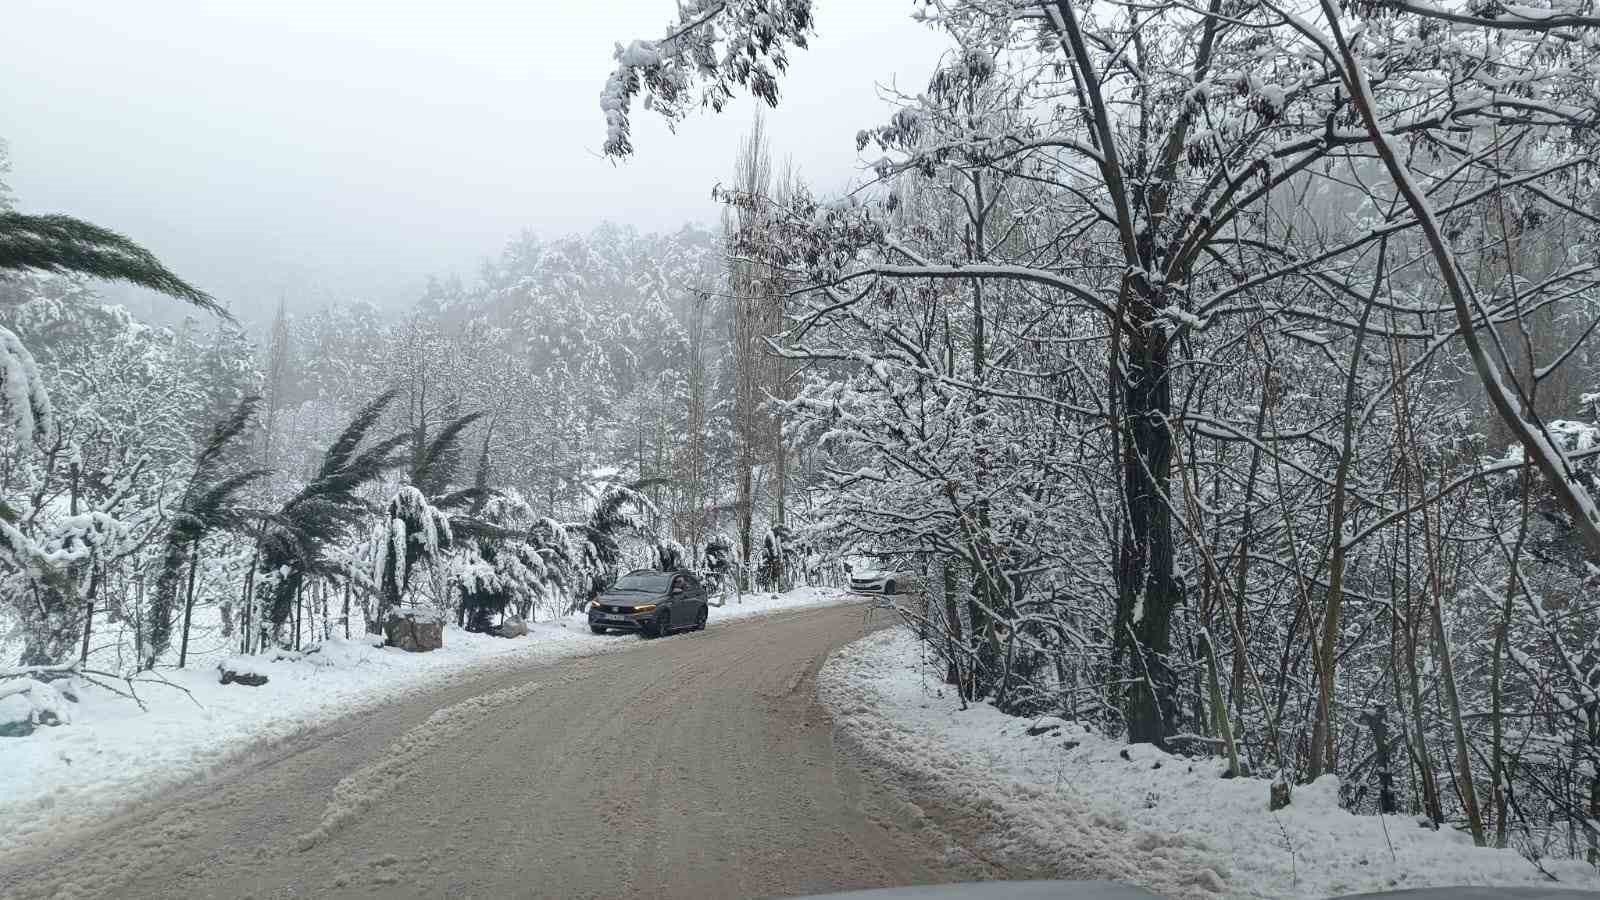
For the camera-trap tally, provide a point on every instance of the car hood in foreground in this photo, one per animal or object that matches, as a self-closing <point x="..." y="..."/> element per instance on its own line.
<point x="1107" y="890"/>
<point x="1002" y="890"/>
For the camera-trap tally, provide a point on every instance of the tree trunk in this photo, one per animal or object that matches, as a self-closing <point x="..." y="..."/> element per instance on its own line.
<point x="138" y="612"/>
<point x="1246" y="540"/>
<point x="1219" y="705"/>
<point x="1323" y="745"/>
<point x="246" y="604"/>
<point x="953" y="638"/>
<point x="188" y="603"/>
<point x="88" y="612"/>
<point x="1147" y="592"/>
<point x="163" y="605"/>
<point x="1499" y="799"/>
<point x="1594" y="816"/>
<point x="1377" y="719"/>
<point x="694" y="484"/>
<point x="1469" y="794"/>
<point x="778" y="470"/>
<point x="1431" y="802"/>
<point x="746" y="488"/>
<point x="299" y="610"/>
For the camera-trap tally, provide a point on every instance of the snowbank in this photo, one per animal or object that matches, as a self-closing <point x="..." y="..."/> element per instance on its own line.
<point x="1068" y="803"/>
<point x="113" y="753"/>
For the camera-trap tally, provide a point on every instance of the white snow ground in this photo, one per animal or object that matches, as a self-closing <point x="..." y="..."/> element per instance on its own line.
<point x="1067" y="804"/>
<point x="112" y="753"/>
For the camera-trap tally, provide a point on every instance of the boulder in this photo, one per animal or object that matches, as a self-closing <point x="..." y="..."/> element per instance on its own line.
<point x="414" y="630"/>
<point x="16" y="716"/>
<point x="1279" y="795"/>
<point x="1047" y="725"/>
<point x="512" y="627"/>
<point x="249" y="671"/>
<point x="26" y="704"/>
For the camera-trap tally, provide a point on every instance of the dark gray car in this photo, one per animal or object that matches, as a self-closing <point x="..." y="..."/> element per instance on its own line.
<point x="651" y="602"/>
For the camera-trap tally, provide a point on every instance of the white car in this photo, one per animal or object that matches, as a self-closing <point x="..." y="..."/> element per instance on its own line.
<point x="883" y="582"/>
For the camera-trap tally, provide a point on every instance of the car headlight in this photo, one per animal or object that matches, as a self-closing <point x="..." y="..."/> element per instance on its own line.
<point x="594" y="604"/>
<point x="645" y="608"/>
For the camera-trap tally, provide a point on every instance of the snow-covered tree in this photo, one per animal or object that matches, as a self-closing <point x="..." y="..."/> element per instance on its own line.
<point x="320" y="515"/>
<point x="1154" y="339"/>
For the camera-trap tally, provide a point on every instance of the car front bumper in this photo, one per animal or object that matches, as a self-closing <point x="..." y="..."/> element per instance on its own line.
<point x="623" y="621"/>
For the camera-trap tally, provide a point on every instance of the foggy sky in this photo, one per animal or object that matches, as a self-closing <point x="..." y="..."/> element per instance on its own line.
<point x="316" y="150"/>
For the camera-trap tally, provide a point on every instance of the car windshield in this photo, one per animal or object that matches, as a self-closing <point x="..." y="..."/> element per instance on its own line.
<point x="653" y="583"/>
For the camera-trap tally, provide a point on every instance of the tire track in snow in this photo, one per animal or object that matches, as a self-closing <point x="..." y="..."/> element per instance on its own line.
<point x="357" y="792"/>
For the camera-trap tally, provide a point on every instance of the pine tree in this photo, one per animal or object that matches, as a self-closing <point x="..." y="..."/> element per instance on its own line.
<point x="61" y="245"/>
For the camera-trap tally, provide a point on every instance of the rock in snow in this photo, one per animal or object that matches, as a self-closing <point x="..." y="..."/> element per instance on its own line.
<point x="413" y="633"/>
<point x="26" y="704"/>
<point x="250" y="671"/>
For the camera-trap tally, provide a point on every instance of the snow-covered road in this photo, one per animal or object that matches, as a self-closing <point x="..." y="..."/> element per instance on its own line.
<point x="695" y="766"/>
<point x="114" y="753"/>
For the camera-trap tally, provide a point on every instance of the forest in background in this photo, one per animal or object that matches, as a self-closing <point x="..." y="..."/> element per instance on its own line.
<point x="503" y="448"/>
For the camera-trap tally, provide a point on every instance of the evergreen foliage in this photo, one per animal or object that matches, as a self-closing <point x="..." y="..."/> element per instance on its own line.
<point x="601" y="534"/>
<point x="61" y="244"/>
<point x="27" y="405"/>
<point x="322" y="512"/>
<point x="436" y="463"/>
<point x="413" y="531"/>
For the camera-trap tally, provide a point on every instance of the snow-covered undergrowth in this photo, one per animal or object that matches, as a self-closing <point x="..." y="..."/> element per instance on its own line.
<point x="113" y="753"/>
<point x="1069" y="803"/>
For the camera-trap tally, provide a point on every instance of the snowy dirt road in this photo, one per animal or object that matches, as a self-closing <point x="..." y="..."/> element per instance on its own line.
<point x="697" y="766"/>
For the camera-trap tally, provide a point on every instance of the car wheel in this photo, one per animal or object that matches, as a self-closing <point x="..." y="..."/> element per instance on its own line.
<point x="700" y="623"/>
<point x="662" y="627"/>
<point x="888" y="587"/>
<point x="597" y="629"/>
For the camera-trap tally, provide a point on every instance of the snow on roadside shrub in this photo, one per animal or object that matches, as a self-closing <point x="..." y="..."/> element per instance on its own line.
<point x="26" y="703"/>
<point x="1060" y="799"/>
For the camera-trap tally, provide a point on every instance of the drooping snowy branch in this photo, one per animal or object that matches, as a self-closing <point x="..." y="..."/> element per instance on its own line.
<point x="713" y="48"/>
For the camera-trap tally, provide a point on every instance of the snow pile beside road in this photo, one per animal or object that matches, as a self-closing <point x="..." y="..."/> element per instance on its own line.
<point x="1069" y="803"/>
<point x="113" y="753"/>
<point x="754" y="604"/>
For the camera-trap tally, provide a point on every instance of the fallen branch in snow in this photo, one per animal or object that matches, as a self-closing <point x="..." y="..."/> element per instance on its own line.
<point x="163" y="680"/>
<point x="1294" y="868"/>
<point x="29" y="671"/>
<point x="129" y="693"/>
<point x="99" y="679"/>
